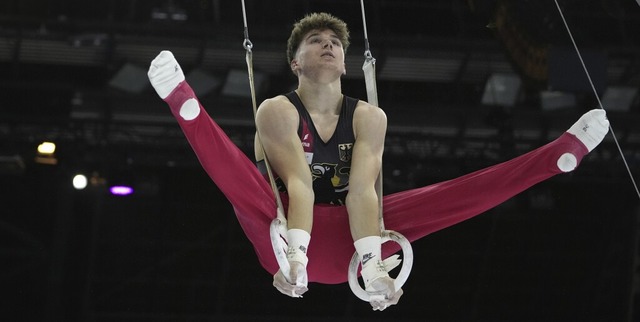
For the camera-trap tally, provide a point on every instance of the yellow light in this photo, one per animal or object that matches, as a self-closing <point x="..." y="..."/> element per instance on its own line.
<point x="46" y="148"/>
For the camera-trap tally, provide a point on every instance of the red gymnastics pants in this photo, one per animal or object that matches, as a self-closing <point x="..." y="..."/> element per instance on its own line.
<point x="413" y="213"/>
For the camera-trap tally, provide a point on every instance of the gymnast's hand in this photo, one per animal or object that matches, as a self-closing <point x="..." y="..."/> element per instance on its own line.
<point x="383" y="293"/>
<point x="298" y="276"/>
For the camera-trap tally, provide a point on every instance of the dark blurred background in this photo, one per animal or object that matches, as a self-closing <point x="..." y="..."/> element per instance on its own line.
<point x="465" y="84"/>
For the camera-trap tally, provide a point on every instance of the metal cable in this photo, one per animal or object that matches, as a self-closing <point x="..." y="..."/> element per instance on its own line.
<point x="584" y="67"/>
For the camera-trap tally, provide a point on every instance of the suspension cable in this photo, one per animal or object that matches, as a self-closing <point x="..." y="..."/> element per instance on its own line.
<point x="369" y="69"/>
<point x="278" y="227"/>
<point x="249" y="58"/>
<point x="595" y="92"/>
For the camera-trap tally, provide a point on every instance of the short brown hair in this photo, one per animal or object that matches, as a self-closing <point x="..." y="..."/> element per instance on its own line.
<point x="315" y="21"/>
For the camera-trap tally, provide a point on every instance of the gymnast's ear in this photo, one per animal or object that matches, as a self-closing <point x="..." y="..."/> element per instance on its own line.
<point x="294" y="65"/>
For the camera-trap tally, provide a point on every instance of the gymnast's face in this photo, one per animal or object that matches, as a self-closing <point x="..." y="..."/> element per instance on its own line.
<point x="319" y="49"/>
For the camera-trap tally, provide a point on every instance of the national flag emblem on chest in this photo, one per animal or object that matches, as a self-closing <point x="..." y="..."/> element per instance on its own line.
<point x="344" y="150"/>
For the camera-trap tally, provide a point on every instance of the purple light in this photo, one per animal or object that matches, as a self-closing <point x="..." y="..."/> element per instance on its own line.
<point x="121" y="190"/>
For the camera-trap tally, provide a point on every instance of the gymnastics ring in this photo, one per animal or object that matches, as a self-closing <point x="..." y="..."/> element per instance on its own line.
<point x="277" y="231"/>
<point x="407" y="263"/>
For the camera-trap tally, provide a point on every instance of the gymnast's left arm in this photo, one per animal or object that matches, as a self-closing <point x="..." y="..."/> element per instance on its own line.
<point x="370" y="126"/>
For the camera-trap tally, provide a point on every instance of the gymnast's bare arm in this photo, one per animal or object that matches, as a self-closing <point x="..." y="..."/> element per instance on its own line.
<point x="370" y="125"/>
<point x="277" y="124"/>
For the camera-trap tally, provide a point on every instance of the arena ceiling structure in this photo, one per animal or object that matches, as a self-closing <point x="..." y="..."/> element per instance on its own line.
<point x="465" y="84"/>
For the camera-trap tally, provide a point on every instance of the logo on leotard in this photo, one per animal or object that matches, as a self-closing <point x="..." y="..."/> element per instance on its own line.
<point x="323" y="170"/>
<point x="344" y="150"/>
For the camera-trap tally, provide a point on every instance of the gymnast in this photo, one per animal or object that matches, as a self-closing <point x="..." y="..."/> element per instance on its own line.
<point x="326" y="151"/>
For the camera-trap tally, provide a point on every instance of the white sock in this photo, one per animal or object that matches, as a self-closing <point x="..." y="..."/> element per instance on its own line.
<point x="165" y="73"/>
<point x="591" y="128"/>
<point x="370" y="251"/>
<point x="298" y="240"/>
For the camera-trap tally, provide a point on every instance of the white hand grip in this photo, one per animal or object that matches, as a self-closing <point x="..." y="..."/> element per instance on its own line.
<point x="407" y="264"/>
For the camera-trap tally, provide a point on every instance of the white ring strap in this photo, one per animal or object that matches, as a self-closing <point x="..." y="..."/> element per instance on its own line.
<point x="279" y="224"/>
<point x="369" y="69"/>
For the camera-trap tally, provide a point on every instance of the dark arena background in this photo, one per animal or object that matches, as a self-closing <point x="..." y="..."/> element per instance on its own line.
<point x="465" y="85"/>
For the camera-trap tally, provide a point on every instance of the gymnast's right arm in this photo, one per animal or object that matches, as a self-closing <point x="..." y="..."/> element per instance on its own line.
<point x="277" y="124"/>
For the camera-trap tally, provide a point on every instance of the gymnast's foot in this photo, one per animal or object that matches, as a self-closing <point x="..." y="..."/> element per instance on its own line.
<point x="165" y="73"/>
<point x="590" y="129"/>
